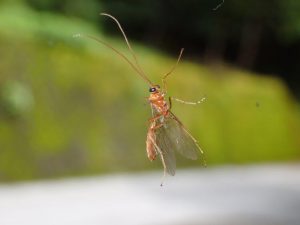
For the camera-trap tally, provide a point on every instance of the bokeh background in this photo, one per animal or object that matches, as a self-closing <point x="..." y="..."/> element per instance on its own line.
<point x="70" y="106"/>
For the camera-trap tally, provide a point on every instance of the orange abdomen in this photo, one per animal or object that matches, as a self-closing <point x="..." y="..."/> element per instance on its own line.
<point x="151" y="153"/>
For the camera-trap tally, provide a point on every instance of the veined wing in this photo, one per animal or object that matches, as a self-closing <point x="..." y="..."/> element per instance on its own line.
<point x="183" y="141"/>
<point x="163" y="144"/>
<point x="171" y="135"/>
<point x="165" y="149"/>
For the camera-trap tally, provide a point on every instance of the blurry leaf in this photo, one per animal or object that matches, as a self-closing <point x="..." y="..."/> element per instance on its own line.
<point x="16" y="98"/>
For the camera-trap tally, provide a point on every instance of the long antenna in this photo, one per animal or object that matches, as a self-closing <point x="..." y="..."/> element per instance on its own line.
<point x="174" y="67"/>
<point x="171" y="71"/>
<point x="118" y="52"/>
<point x="127" y="42"/>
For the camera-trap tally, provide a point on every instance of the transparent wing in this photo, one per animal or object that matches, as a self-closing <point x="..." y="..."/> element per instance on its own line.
<point x="182" y="140"/>
<point x="166" y="151"/>
<point x="171" y="135"/>
<point x="163" y="145"/>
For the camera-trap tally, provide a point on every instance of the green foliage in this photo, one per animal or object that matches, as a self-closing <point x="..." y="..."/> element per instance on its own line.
<point x="82" y="110"/>
<point x="88" y="9"/>
<point x="15" y="98"/>
<point x="289" y="29"/>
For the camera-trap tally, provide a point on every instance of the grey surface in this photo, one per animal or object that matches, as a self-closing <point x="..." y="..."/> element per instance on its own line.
<point x="260" y="195"/>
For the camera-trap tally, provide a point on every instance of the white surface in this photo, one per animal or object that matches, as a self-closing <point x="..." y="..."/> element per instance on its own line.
<point x="260" y="195"/>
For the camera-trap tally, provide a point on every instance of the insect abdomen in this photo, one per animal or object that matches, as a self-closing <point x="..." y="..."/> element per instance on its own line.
<point x="151" y="153"/>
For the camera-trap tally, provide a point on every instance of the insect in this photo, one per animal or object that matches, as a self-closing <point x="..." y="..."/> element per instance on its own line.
<point x="166" y="134"/>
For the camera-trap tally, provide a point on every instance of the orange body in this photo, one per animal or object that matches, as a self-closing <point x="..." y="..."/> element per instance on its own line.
<point x="157" y="100"/>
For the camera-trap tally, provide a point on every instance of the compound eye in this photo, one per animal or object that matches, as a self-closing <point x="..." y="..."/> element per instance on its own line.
<point x="152" y="89"/>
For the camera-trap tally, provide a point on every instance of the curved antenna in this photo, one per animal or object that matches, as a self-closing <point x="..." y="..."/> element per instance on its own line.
<point x="119" y="53"/>
<point x="172" y="69"/>
<point x="127" y="42"/>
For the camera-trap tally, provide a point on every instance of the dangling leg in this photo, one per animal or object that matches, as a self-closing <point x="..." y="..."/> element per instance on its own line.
<point x="159" y="151"/>
<point x="153" y="148"/>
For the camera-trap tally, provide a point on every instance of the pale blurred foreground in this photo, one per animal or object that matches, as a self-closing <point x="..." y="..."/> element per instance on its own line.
<point x="260" y="195"/>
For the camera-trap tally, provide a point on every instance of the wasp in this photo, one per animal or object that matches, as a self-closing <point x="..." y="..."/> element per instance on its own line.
<point x="166" y="133"/>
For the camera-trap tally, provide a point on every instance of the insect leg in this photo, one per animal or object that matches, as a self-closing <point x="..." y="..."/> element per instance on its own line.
<point x="188" y="102"/>
<point x="157" y="148"/>
<point x="154" y="118"/>
<point x="151" y="140"/>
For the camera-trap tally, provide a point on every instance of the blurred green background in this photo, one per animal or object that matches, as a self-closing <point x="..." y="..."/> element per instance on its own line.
<point x="70" y="106"/>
